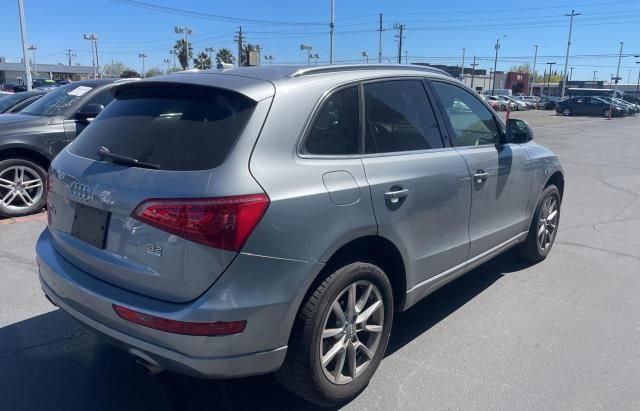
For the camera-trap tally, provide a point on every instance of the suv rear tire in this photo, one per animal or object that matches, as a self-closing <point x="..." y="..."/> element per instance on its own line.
<point x="22" y="187"/>
<point x="323" y="350"/>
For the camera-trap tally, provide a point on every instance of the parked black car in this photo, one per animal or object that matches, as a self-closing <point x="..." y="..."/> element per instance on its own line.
<point x="13" y="103"/>
<point x="588" y="106"/>
<point x="30" y="139"/>
<point x="549" y="103"/>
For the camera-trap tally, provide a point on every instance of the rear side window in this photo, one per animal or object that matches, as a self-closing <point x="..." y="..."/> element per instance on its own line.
<point x="176" y="126"/>
<point x="335" y="129"/>
<point x="399" y="117"/>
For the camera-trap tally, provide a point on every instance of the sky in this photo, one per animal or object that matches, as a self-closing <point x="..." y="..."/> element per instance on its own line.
<point x="436" y="32"/>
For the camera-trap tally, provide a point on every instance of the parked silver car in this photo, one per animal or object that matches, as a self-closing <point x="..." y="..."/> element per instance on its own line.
<point x="240" y="222"/>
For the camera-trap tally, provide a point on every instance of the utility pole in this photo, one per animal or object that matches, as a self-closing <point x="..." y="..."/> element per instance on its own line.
<point x="549" y="78"/>
<point x="490" y="72"/>
<point x="380" y="30"/>
<point x="495" y="62"/>
<point x="401" y="28"/>
<point x="33" y="49"/>
<point x="94" y="58"/>
<point x="70" y="54"/>
<point x="619" y="61"/>
<point x="331" y="30"/>
<point x="473" y="71"/>
<point x="240" y="39"/>
<point x="406" y="57"/>
<point x="462" y="66"/>
<point x="25" y="56"/>
<point x="571" y="73"/>
<point x="566" y="57"/>
<point x="533" y="71"/>
<point x="142" y="56"/>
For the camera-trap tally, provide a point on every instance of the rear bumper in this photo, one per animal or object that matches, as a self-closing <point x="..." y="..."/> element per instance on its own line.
<point x="267" y="299"/>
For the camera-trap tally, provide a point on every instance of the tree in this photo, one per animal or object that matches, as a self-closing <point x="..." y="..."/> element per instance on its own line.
<point x="185" y="52"/>
<point x="153" y="71"/>
<point x="202" y="61"/>
<point x="128" y="73"/>
<point x="114" y="69"/>
<point x="224" y="56"/>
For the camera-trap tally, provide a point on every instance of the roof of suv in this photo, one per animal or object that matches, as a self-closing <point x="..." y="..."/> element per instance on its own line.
<point x="281" y="73"/>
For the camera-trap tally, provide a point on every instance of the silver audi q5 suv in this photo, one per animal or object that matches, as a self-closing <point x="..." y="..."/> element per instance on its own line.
<point x="254" y="220"/>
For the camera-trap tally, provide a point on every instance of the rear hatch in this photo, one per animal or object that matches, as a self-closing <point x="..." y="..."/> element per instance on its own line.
<point x="155" y="196"/>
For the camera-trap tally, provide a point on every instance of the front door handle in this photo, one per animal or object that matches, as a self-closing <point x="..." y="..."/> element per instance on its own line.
<point x="396" y="195"/>
<point x="481" y="175"/>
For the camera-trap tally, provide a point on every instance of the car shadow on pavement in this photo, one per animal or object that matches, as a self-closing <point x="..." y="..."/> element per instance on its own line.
<point x="51" y="362"/>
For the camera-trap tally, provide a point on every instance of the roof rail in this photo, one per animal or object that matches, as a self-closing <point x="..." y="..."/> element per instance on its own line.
<point x="358" y="67"/>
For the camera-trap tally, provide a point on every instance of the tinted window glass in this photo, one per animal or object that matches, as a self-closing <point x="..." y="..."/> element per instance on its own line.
<point x="472" y="122"/>
<point x="399" y="117"/>
<point x="104" y="98"/>
<point x="335" y="129"/>
<point x="177" y="127"/>
<point x="24" y="104"/>
<point x="9" y="101"/>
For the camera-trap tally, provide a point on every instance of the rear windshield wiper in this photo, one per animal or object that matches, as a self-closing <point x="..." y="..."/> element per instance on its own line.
<point x="104" y="152"/>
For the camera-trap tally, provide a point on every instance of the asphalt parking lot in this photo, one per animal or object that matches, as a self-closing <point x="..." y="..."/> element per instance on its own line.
<point x="562" y="334"/>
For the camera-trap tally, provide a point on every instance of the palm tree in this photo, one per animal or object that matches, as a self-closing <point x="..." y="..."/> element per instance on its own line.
<point x="185" y="52"/>
<point x="224" y="56"/>
<point x="202" y="61"/>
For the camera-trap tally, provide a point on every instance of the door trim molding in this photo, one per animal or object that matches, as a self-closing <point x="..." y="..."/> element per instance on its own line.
<point x="426" y="287"/>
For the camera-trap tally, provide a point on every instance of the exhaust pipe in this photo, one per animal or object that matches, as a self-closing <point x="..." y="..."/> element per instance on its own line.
<point x="148" y="365"/>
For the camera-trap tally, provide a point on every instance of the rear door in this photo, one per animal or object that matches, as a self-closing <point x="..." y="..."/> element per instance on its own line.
<point x="420" y="188"/>
<point x="501" y="179"/>
<point x="141" y="227"/>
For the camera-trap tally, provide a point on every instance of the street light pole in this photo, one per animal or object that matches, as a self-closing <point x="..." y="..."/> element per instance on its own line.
<point x="307" y="48"/>
<point x="142" y="56"/>
<point x="168" y="63"/>
<point x="533" y="71"/>
<point x="571" y="73"/>
<point x="619" y="61"/>
<point x="25" y="56"/>
<point x="473" y="71"/>
<point x="173" y="53"/>
<point x="638" y="83"/>
<point x="94" y="58"/>
<point x="365" y="54"/>
<point x="566" y="57"/>
<point x="33" y="49"/>
<point x="594" y="77"/>
<point x="186" y="30"/>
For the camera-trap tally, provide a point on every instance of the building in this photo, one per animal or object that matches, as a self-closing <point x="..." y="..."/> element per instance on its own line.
<point x="14" y="72"/>
<point x="478" y="79"/>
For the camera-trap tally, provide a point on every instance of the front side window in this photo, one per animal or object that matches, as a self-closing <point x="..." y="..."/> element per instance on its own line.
<point x="399" y="117"/>
<point x="472" y="122"/>
<point x="335" y="129"/>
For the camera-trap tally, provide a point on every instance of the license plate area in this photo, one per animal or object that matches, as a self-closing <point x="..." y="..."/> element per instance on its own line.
<point x="90" y="225"/>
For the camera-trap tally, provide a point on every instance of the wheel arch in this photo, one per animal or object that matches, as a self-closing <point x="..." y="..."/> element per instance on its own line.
<point x="556" y="179"/>
<point x="26" y="153"/>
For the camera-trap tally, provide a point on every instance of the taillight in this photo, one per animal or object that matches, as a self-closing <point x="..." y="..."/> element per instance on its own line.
<point x="180" y="327"/>
<point x="223" y="223"/>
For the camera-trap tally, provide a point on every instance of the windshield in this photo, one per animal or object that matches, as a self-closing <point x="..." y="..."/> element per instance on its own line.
<point x="57" y="102"/>
<point x="9" y="101"/>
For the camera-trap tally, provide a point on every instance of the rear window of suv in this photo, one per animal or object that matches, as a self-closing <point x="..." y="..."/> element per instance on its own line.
<point x="175" y="126"/>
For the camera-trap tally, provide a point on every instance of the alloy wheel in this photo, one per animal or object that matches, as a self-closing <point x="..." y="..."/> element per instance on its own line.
<point x="351" y="333"/>
<point x="20" y="187"/>
<point x="547" y="222"/>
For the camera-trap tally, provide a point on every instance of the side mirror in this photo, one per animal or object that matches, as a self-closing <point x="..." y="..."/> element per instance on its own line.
<point x="518" y="131"/>
<point x="89" y="111"/>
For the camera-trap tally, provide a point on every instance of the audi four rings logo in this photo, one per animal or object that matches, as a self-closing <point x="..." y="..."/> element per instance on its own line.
<point x="80" y="191"/>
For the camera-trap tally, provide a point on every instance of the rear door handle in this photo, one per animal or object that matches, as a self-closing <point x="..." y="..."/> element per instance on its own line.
<point x="396" y="195"/>
<point x="481" y="175"/>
